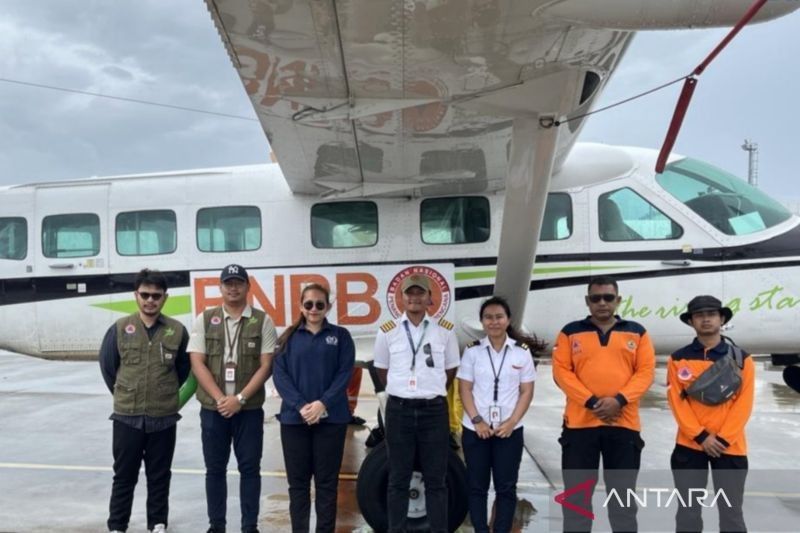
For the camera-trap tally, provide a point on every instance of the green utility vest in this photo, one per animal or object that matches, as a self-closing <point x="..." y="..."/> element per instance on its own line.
<point x="147" y="383"/>
<point x="248" y="359"/>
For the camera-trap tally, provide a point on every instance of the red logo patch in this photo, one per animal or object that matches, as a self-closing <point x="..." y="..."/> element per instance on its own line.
<point x="441" y="295"/>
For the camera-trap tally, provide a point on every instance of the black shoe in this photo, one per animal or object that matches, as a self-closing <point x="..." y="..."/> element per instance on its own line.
<point x="250" y="530"/>
<point x="356" y="421"/>
<point x="215" y="529"/>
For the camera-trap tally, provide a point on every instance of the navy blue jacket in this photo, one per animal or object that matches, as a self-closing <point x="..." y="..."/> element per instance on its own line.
<point x="315" y="367"/>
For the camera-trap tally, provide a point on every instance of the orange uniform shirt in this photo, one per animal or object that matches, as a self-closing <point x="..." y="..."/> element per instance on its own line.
<point x="588" y="365"/>
<point x="696" y="419"/>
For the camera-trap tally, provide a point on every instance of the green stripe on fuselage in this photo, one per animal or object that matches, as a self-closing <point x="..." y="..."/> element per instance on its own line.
<point x="176" y="305"/>
<point x="481" y="274"/>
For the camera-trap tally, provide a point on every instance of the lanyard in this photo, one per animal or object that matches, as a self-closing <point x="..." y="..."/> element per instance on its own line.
<point x="231" y="340"/>
<point x="411" y="342"/>
<point x="496" y="374"/>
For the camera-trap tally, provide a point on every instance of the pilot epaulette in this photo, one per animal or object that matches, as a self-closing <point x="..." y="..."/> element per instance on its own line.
<point x="474" y="344"/>
<point x="523" y="345"/>
<point x="388" y="326"/>
<point x="446" y="324"/>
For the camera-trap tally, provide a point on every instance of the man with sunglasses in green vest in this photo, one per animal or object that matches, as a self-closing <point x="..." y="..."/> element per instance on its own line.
<point x="231" y="349"/>
<point x="143" y="361"/>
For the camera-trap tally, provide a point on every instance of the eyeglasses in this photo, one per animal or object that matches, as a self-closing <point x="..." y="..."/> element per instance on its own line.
<point x="308" y="305"/>
<point x="595" y="298"/>
<point x="427" y="351"/>
<point x="155" y="296"/>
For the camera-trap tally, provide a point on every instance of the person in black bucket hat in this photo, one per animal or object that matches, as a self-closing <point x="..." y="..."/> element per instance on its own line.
<point x="698" y="304"/>
<point x="711" y="430"/>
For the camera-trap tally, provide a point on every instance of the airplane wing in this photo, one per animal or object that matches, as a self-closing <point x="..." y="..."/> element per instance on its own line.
<point x="398" y="97"/>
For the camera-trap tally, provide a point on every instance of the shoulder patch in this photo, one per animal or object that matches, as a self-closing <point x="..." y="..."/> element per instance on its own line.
<point x="474" y="344"/>
<point x="388" y="326"/>
<point x="524" y="346"/>
<point x="446" y="324"/>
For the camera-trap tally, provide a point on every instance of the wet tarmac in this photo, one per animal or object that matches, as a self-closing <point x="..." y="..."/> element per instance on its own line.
<point x="55" y="457"/>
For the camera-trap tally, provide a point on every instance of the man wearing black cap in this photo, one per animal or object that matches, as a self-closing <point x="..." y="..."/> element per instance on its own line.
<point x="710" y="430"/>
<point x="231" y="350"/>
<point x="416" y="358"/>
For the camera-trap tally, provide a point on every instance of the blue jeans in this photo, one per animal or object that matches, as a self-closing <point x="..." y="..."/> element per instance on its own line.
<point x="500" y="458"/>
<point x="417" y="428"/>
<point x="246" y="430"/>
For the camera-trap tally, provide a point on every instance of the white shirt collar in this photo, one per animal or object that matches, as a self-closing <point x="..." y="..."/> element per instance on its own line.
<point x="404" y="318"/>
<point x="509" y="342"/>
<point x="246" y="313"/>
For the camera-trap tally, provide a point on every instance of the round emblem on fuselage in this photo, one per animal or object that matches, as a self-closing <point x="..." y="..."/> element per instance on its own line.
<point x="441" y="294"/>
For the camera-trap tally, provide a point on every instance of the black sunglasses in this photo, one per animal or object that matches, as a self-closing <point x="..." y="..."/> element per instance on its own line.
<point x="595" y="298"/>
<point x="308" y="305"/>
<point x="155" y="296"/>
<point x="427" y="351"/>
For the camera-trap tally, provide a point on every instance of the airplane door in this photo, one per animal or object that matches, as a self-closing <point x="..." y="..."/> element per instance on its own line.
<point x="656" y="253"/>
<point x="71" y="270"/>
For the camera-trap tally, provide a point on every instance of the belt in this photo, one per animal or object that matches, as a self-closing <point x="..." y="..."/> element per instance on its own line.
<point x="418" y="402"/>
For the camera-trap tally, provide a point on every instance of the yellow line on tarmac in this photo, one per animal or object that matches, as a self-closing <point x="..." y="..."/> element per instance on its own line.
<point x="191" y="471"/>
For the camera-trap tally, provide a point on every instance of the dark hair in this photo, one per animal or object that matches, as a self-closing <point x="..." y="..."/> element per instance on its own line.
<point x="532" y="341"/>
<point x="150" y="277"/>
<point x="602" y="280"/>
<point x="284" y="338"/>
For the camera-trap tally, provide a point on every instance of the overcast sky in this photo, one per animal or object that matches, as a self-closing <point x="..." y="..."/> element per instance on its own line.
<point x="169" y="52"/>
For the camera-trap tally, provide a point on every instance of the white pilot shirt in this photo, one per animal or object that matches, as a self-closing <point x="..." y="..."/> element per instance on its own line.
<point x="476" y="368"/>
<point x="393" y="352"/>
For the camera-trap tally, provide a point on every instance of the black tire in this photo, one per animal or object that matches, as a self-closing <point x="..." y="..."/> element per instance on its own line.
<point x="373" y="482"/>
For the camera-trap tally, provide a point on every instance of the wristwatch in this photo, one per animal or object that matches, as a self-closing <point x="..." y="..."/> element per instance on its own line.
<point x="241" y="398"/>
<point x="477" y="419"/>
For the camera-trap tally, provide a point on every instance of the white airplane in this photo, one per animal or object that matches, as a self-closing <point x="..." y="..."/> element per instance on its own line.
<point x="416" y="136"/>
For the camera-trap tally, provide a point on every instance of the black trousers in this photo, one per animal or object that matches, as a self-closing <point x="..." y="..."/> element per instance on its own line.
<point x="581" y="450"/>
<point x="500" y="459"/>
<point x="130" y="446"/>
<point x="690" y="471"/>
<point x="417" y="429"/>
<point x="313" y="451"/>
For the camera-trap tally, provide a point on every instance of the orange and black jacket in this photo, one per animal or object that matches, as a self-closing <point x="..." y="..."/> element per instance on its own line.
<point x="588" y="365"/>
<point x="697" y="420"/>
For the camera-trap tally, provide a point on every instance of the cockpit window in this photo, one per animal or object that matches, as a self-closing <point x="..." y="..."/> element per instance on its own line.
<point x="623" y="215"/>
<point x="726" y="202"/>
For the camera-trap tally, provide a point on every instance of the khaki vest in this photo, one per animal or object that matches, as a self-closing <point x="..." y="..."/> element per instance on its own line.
<point x="248" y="358"/>
<point x="147" y="383"/>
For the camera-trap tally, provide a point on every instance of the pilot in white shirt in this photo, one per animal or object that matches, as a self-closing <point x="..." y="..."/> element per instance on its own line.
<point x="416" y="358"/>
<point x="496" y="384"/>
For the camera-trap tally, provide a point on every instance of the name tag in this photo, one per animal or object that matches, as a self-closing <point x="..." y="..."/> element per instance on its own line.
<point x="494" y="415"/>
<point x="251" y="344"/>
<point x="412" y="384"/>
<point x="230" y="372"/>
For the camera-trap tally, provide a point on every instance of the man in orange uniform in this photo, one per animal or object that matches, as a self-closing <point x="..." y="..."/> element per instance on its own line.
<point x="709" y="434"/>
<point x="604" y="365"/>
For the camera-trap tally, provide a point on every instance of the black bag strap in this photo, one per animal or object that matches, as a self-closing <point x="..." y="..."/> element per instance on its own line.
<point x="734" y="351"/>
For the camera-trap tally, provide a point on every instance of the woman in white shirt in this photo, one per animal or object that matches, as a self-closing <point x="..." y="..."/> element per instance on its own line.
<point x="496" y="384"/>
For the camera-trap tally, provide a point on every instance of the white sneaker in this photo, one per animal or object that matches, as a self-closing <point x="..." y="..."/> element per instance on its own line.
<point x="159" y="528"/>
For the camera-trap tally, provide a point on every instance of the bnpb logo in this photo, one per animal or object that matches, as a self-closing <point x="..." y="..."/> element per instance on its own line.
<point x="441" y="294"/>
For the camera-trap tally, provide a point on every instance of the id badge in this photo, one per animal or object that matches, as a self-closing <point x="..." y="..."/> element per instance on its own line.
<point x="230" y="372"/>
<point x="412" y="384"/>
<point x="494" y="414"/>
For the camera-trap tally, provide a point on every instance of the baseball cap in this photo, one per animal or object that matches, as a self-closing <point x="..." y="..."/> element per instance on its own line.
<point x="233" y="271"/>
<point x="415" y="280"/>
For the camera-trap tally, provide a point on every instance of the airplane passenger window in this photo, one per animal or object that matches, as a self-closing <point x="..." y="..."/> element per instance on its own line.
<point x="623" y="215"/>
<point x="146" y="232"/>
<point x="229" y="229"/>
<point x="344" y="224"/>
<point x="557" y="220"/>
<point x="13" y="238"/>
<point x="458" y="220"/>
<point x="74" y="235"/>
<point x="726" y="202"/>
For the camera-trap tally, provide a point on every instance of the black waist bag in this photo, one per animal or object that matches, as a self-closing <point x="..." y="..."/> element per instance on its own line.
<point x="720" y="381"/>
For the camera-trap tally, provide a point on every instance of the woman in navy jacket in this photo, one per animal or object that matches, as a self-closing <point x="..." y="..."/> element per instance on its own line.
<point x="311" y="372"/>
